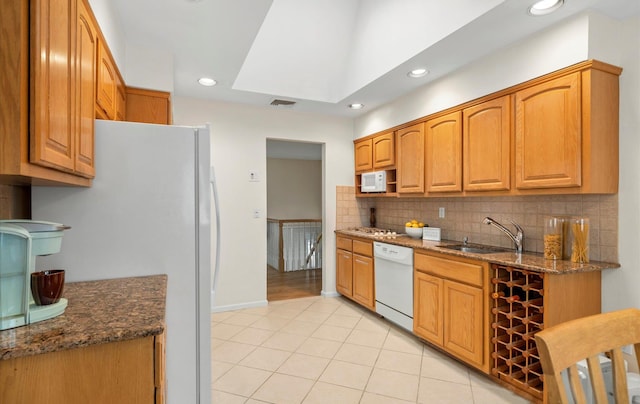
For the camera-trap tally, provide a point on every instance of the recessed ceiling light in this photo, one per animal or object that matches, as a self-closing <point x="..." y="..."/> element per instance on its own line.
<point x="206" y="81"/>
<point x="356" y="106"/>
<point x="544" y="7"/>
<point x="418" y="73"/>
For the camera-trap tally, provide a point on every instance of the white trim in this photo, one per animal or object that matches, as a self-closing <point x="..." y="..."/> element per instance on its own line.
<point x="248" y="305"/>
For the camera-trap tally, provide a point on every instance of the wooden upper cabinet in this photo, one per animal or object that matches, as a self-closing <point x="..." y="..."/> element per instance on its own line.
<point x="148" y="106"/>
<point x="53" y="118"/>
<point x="548" y="134"/>
<point x="121" y="100"/>
<point x="410" y="165"/>
<point x="486" y="145"/>
<point x="363" y="154"/>
<point x="107" y="84"/>
<point x="86" y="51"/>
<point x="384" y="151"/>
<point x="443" y="159"/>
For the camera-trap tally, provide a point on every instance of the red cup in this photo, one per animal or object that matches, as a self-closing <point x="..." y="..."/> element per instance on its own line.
<point x="47" y="286"/>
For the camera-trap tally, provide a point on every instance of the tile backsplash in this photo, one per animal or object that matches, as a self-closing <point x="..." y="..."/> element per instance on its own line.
<point x="463" y="217"/>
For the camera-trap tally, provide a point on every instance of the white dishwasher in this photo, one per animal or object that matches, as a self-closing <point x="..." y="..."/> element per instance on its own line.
<point x="394" y="283"/>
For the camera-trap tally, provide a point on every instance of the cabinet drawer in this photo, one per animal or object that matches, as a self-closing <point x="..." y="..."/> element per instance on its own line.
<point x="343" y="243"/>
<point x="363" y="248"/>
<point x="460" y="271"/>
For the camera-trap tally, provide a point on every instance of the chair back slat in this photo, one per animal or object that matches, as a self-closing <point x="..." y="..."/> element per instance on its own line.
<point x="560" y="347"/>
<point x="576" y="385"/>
<point x="597" y="381"/>
<point x="621" y="392"/>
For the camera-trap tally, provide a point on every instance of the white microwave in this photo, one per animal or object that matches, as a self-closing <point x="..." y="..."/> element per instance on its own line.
<point x="375" y="181"/>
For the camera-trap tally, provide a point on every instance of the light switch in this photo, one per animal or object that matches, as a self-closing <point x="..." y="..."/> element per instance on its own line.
<point x="253" y="176"/>
<point x="441" y="213"/>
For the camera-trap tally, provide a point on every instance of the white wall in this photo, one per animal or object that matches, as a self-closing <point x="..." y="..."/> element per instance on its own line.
<point x="552" y="49"/>
<point x="148" y="68"/>
<point x="238" y="143"/>
<point x="586" y="36"/>
<point x="294" y="189"/>
<point x="621" y="287"/>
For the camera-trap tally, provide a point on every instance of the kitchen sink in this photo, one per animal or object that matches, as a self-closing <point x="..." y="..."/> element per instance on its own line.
<point x="476" y="249"/>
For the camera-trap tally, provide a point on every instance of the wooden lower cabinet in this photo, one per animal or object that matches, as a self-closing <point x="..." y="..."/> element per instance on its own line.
<point x="355" y="276"/>
<point x="344" y="272"/>
<point x="119" y="372"/>
<point x="451" y="306"/>
<point x="363" y="281"/>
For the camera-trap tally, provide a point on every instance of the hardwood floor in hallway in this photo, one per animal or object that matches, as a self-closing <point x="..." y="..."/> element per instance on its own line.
<point x="294" y="284"/>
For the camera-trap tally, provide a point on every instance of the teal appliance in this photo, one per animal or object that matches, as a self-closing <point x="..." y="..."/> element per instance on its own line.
<point x="21" y="241"/>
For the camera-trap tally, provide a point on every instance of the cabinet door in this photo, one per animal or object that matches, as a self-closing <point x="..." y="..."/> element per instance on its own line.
<point x="486" y="145"/>
<point x="427" y="307"/>
<point x="53" y="116"/>
<point x="464" y="321"/>
<point x="148" y="106"/>
<point x="344" y="272"/>
<point x="384" y="150"/>
<point x="107" y="83"/>
<point x="410" y="166"/>
<point x="444" y="153"/>
<point x="363" y="281"/>
<point x="548" y="134"/>
<point x="363" y="155"/>
<point x="121" y="100"/>
<point x="86" y="51"/>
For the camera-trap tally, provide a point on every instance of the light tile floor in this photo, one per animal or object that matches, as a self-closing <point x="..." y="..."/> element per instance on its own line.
<point x="330" y="350"/>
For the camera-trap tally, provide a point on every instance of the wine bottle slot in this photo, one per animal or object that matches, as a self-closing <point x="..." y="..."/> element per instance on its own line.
<point x="497" y="295"/>
<point x="500" y="369"/>
<point x="517" y="313"/>
<point x="516" y="343"/>
<point x="516" y="329"/>
<point x="501" y="324"/>
<point x="533" y="285"/>
<point x="516" y="282"/>
<point x="501" y="339"/>
<point x="534" y="302"/>
<point x="502" y="279"/>
<point x="534" y="382"/>
<point x="504" y="353"/>
<point x="501" y="309"/>
<point x="536" y="318"/>
<point x="530" y="352"/>
<point x="529" y="336"/>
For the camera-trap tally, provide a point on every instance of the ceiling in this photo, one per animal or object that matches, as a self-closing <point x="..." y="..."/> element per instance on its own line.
<point x="326" y="54"/>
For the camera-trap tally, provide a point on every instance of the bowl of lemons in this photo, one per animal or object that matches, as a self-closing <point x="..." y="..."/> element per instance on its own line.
<point x="414" y="228"/>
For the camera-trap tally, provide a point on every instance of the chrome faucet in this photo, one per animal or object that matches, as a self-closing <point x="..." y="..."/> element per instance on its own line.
<point x="518" y="238"/>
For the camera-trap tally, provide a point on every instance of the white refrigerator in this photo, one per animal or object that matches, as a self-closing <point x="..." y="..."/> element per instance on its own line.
<point x="148" y="212"/>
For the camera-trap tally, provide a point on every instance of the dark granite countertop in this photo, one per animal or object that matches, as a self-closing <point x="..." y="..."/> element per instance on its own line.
<point x="527" y="260"/>
<point x="98" y="312"/>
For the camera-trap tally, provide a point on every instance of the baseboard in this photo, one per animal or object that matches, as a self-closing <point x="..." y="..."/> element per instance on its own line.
<point x="239" y="306"/>
<point x="329" y="294"/>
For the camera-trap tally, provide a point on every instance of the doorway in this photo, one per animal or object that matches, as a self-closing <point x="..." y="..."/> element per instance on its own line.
<point x="294" y="219"/>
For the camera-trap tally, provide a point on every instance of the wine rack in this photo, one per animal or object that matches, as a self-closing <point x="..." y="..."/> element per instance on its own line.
<point x="518" y="312"/>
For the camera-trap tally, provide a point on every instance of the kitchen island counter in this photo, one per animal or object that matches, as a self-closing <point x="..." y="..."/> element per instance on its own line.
<point x="98" y="312"/>
<point x="528" y="260"/>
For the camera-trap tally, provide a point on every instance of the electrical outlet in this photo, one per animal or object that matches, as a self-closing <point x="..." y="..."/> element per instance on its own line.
<point x="253" y="176"/>
<point x="256" y="213"/>
<point x="441" y="213"/>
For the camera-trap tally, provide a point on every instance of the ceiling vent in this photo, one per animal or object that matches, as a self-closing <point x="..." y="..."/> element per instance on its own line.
<point x="282" y="103"/>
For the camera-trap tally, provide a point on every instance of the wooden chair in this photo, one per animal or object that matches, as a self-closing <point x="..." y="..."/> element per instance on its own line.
<point x="561" y="346"/>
